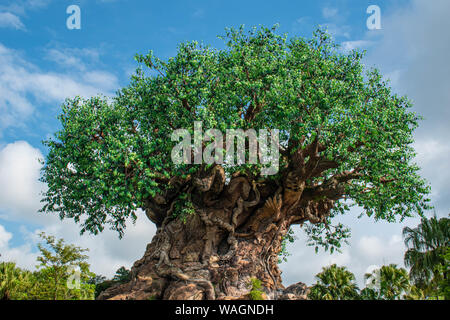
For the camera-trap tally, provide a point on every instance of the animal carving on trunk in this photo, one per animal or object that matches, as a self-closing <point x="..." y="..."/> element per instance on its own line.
<point x="264" y="219"/>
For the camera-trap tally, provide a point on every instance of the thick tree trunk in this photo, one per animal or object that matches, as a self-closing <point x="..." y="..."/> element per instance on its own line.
<point x="200" y="265"/>
<point x="234" y="236"/>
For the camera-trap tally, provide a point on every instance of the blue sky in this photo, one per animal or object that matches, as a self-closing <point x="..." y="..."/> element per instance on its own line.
<point x="42" y="62"/>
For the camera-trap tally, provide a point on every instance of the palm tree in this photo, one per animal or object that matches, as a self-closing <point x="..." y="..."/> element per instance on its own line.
<point x="11" y="278"/>
<point x="334" y="283"/>
<point x="426" y="244"/>
<point x="388" y="282"/>
<point x="415" y="293"/>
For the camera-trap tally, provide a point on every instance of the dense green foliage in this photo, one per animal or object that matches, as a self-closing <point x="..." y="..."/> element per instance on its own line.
<point x="427" y="245"/>
<point x="443" y="269"/>
<point x="387" y="283"/>
<point x="111" y="156"/>
<point x="62" y="274"/>
<point x="122" y="275"/>
<point x="59" y="264"/>
<point x="13" y="281"/>
<point x="57" y="277"/>
<point x="288" y="238"/>
<point x="255" y="292"/>
<point x="334" y="283"/>
<point x="101" y="284"/>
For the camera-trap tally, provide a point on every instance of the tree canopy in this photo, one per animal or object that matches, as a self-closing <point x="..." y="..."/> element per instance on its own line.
<point x="388" y="282"/>
<point x="344" y="135"/>
<point x="334" y="283"/>
<point x="63" y="270"/>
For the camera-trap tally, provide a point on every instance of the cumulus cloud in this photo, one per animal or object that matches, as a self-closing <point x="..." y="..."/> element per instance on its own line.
<point x="23" y="85"/>
<point x="304" y="263"/>
<point x="4" y="237"/>
<point x="19" y="174"/>
<point x="21" y="255"/>
<point x="411" y="49"/>
<point x="433" y="156"/>
<point x="376" y="249"/>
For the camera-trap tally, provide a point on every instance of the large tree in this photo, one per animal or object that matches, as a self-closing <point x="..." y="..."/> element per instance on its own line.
<point x="344" y="138"/>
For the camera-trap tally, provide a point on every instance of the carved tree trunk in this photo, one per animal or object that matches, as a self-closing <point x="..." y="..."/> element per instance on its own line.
<point x="235" y="235"/>
<point x="200" y="264"/>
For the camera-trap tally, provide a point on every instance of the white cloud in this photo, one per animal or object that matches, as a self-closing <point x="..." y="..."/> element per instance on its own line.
<point x="413" y="49"/>
<point x="371" y="247"/>
<point x="23" y="85"/>
<point x="371" y="243"/>
<point x="433" y="157"/>
<point x="304" y="263"/>
<point x="73" y="57"/>
<point x="5" y="236"/>
<point x="378" y="250"/>
<point x="10" y="12"/>
<point x="431" y="150"/>
<point x="106" y="252"/>
<point x="19" y="174"/>
<point x="10" y="20"/>
<point x="22" y="255"/>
